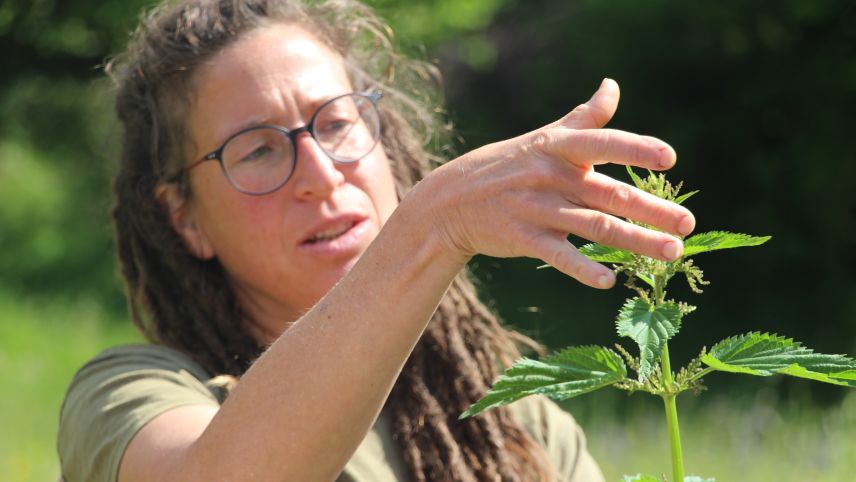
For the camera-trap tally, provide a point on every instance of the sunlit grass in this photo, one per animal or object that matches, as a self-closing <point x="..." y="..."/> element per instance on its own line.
<point x="41" y="347"/>
<point x="732" y="440"/>
<point x="759" y="439"/>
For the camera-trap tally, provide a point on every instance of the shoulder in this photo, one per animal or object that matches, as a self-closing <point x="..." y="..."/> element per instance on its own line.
<point x="545" y="421"/>
<point x="560" y="435"/>
<point x="127" y="373"/>
<point x="141" y="357"/>
<point x="113" y="395"/>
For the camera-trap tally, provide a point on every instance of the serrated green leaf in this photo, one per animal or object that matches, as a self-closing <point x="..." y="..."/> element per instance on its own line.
<point x="646" y="279"/>
<point x="714" y="240"/>
<point x="573" y="371"/>
<point x="605" y="254"/>
<point x="765" y="354"/>
<point x="650" y="327"/>
<point x="636" y="179"/>
<point x="683" y="197"/>
<point x="640" y="478"/>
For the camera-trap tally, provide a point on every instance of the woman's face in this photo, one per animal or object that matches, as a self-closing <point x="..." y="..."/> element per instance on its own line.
<point x="284" y="250"/>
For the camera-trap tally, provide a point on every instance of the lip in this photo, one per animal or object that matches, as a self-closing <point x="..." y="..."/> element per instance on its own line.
<point x="344" y="243"/>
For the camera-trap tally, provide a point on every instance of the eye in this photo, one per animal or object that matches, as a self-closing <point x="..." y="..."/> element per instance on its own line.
<point x="332" y="126"/>
<point x="259" y="153"/>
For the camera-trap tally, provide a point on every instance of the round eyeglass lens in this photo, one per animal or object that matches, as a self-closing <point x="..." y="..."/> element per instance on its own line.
<point x="347" y="128"/>
<point x="259" y="160"/>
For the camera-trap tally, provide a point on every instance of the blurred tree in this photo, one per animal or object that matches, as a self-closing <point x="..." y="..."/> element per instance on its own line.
<point x="63" y="38"/>
<point x="56" y="140"/>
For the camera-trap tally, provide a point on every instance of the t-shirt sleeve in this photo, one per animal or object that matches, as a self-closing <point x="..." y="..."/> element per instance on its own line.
<point x="115" y="395"/>
<point x="558" y="432"/>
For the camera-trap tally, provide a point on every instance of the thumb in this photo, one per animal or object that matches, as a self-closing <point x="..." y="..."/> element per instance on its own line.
<point x="597" y="111"/>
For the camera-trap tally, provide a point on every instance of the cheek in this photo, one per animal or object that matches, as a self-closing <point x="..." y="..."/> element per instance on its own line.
<point x="246" y="241"/>
<point x="383" y="191"/>
<point x="235" y="221"/>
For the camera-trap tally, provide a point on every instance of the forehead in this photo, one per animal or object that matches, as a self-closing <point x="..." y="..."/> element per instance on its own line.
<point x="275" y="74"/>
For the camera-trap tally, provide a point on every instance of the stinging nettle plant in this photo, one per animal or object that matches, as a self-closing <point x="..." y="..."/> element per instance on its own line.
<point x="651" y="320"/>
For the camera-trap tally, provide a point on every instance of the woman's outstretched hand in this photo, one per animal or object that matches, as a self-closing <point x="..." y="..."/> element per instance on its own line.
<point x="524" y="196"/>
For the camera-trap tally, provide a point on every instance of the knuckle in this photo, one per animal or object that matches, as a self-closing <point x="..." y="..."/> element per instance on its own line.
<point x="541" y="141"/>
<point x="564" y="261"/>
<point x="639" y="153"/>
<point x="618" y="198"/>
<point x="585" y="114"/>
<point x="599" y="116"/>
<point x="602" y="229"/>
<point x="526" y="238"/>
<point x="664" y="214"/>
<point x="593" y="116"/>
<point x="580" y="109"/>
<point x="536" y="173"/>
<point x="575" y="267"/>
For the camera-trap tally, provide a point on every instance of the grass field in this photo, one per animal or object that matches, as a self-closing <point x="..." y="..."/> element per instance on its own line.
<point x="733" y="441"/>
<point x="40" y="349"/>
<point x="752" y="440"/>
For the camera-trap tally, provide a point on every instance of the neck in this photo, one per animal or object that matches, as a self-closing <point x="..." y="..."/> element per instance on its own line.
<point x="266" y="318"/>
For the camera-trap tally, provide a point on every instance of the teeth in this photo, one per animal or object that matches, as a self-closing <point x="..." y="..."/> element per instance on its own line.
<point x="331" y="233"/>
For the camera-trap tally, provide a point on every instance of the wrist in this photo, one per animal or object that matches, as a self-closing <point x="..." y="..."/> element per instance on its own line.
<point x="420" y="216"/>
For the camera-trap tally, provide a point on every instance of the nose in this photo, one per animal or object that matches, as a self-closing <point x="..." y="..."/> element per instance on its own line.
<point x="315" y="174"/>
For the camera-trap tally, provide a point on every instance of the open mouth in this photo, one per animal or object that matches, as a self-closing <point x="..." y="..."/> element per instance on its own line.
<point x="331" y="234"/>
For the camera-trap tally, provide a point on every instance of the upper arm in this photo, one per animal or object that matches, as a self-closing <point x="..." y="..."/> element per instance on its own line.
<point x="157" y="449"/>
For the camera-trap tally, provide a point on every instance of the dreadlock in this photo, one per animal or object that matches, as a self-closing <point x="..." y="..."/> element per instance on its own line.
<point x="186" y="303"/>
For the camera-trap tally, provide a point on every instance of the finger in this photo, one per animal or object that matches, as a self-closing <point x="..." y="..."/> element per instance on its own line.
<point x="554" y="249"/>
<point x="596" y="112"/>
<point x="586" y="148"/>
<point x="614" y="197"/>
<point x="611" y="231"/>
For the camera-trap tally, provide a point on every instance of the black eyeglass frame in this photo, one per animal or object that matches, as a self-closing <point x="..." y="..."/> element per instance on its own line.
<point x="217" y="154"/>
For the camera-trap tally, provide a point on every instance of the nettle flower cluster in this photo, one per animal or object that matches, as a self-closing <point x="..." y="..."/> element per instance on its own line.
<point x="651" y="320"/>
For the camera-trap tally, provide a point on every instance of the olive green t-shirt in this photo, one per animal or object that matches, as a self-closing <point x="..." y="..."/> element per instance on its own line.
<point x="119" y="391"/>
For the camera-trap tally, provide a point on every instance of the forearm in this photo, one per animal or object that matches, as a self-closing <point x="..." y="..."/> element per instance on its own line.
<point x="304" y="406"/>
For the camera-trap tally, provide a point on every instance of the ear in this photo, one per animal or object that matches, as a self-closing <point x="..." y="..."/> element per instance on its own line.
<point x="182" y="219"/>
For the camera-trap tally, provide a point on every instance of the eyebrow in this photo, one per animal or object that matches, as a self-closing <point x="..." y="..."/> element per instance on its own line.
<point x="312" y="108"/>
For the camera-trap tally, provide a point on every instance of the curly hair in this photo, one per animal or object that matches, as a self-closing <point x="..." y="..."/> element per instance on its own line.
<point x="186" y="303"/>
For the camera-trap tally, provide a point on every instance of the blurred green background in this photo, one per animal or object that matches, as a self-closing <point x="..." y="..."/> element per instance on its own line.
<point x="756" y="97"/>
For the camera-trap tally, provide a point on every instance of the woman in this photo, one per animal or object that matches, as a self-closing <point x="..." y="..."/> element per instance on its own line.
<point x="272" y="235"/>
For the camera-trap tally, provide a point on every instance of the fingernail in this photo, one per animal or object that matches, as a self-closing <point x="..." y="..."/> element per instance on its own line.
<point x="671" y="250"/>
<point x="686" y="225"/>
<point x="604" y="281"/>
<point x="667" y="156"/>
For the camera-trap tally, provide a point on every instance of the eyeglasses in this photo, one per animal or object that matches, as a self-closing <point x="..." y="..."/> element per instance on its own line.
<point x="260" y="159"/>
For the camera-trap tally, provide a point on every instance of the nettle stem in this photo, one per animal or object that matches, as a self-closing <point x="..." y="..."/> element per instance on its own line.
<point x="672" y="420"/>
<point x="670" y="395"/>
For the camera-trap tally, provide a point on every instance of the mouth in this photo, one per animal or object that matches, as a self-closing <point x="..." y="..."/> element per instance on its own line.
<point x="331" y="233"/>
